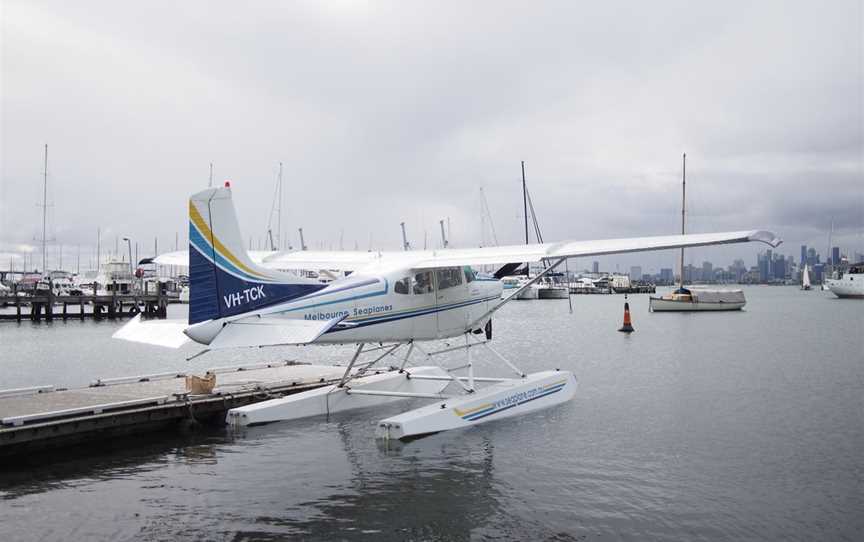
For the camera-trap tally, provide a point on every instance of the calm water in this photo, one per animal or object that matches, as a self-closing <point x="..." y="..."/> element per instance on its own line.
<point x="736" y="426"/>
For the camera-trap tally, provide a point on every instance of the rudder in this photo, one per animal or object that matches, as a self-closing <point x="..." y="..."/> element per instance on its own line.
<point x="223" y="281"/>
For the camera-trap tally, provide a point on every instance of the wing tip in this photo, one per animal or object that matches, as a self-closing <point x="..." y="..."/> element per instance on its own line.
<point x="766" y="237"/>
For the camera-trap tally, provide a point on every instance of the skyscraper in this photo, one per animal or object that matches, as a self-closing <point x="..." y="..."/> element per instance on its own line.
<point x="707" y="271"/>
<point x="763" y="262"/>
<point x="835" y="256"/>
<point x="803" y="254"/>
<point x="666" y="275"/>
<point x="595" y="267"/>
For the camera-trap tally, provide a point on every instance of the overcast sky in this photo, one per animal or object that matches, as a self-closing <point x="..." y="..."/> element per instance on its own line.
<point x="389" y="112"/>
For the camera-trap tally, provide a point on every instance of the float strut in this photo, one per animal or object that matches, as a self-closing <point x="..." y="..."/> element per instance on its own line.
<point x="407" y="356"/>
<point x="350" y="365"/>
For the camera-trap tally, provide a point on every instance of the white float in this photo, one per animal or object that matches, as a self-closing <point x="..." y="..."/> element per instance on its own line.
<point x="359" y="392"/>
<point x="510" y="397"/>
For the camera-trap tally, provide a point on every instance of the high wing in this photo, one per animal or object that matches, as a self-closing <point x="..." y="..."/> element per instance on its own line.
<point x="352" y="260"/>
<point x="343" y="260"/>
<point x="181" y="257"/>
<point x="574" y="249"/>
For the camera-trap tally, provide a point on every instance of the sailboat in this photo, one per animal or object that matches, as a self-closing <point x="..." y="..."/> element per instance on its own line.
<point x="805" y="278"/>
<point x="702" y="299"/>
<point x="547" y="287"/>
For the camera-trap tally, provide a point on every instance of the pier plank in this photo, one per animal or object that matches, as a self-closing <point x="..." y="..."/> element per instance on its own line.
<point x="59" y="418"/>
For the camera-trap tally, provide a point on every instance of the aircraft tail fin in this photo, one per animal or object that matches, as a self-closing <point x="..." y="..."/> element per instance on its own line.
<point x="223" y="281"/>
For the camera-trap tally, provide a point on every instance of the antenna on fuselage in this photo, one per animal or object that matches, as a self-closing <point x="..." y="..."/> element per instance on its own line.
<point x="405" y="244"/>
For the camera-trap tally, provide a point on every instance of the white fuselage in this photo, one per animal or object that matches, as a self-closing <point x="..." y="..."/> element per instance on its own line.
<point x="392" y="306"/>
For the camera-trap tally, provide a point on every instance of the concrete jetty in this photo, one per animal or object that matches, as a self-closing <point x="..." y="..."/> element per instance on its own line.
<point x="44" y="417"/>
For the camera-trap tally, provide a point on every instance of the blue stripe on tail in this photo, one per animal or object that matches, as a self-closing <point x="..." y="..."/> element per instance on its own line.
<point x="202" y="287"/>
<point x="213" y="293"/>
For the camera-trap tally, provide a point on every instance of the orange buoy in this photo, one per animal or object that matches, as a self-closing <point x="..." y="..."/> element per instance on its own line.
<point x="627" y="327"/>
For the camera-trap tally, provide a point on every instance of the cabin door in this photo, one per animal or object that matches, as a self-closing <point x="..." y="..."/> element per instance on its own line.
<point x="451" y="293"/>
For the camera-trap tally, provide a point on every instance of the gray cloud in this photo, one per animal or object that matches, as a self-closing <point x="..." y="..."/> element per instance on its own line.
<point x="389" y="112"/>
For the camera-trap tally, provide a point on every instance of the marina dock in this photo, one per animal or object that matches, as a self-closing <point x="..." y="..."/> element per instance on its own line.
<point x="44" y="417"/>
<point x="48" y="306"/>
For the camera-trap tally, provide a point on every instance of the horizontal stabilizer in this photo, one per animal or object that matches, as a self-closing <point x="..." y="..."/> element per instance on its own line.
<point x="167" y="333"/>
<point x="271" y="331"/>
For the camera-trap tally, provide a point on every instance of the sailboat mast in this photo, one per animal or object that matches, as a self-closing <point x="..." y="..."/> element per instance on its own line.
<point x="44" y="206"/>
<point x="683" y="200"/>
<point x="525" y="202"/>
<point x="279" y="216"/>
<point x="525" y="213"/>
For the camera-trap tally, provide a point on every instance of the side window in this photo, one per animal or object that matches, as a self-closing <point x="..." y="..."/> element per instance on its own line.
<point x="449" y="277"/>
<point x="422" y="283"/>
<point x="401" y="286"/>
<point x="469" y="274"/>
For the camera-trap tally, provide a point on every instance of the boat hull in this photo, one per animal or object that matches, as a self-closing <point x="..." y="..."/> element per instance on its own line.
<point x="332" y="399"/>
<point x="845" y="288"/>
<point x="553" y="293"/>
<point x="528" y="293"/>
<point x="495" y="402"/>
<point x="656" y="304"/>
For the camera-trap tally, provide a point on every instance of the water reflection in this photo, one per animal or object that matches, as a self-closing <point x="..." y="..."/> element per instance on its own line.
<point x="435" y="487"/>
<point x="122" y="457"/>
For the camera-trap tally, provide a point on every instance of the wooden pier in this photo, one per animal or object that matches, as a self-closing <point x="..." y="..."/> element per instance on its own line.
<point x="48" y="306"/>
<point x="45" y="417"/>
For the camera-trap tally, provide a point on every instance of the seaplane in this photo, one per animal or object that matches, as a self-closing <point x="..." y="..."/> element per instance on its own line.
<point x="394" y="306"/>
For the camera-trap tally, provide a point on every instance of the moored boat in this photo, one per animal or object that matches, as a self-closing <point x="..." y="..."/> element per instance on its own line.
<point x="552" y="290"/>
<point x="692" y="300"/>
<point x="698" y="299"/>
<point x="851" y="284"/>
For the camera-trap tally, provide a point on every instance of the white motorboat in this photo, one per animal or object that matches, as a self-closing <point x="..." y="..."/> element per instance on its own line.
<point x="851" y="284"/>
<point x="115" y="277"/>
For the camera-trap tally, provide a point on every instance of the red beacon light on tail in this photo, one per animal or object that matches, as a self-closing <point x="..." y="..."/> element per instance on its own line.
<point x="227" y="183"/>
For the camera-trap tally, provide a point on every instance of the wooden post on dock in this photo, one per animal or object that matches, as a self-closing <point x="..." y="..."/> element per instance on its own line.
<point x="163" y="303"/>
<point x="49" y="307"/>
<point x="112" y="309"/>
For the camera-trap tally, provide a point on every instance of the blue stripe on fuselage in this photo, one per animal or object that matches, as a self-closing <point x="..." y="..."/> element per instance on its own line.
<point x="420" y="312"/>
